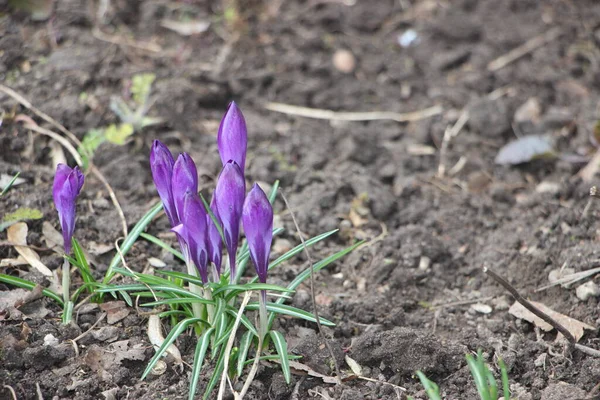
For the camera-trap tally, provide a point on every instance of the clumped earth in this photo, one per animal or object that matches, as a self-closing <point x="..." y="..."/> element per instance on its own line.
<point x="402" y="302"/>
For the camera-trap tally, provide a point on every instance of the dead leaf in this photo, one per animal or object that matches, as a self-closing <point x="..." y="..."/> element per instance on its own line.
<point x="354" y="366"/>
<point x="299" y="367"/>
<point x="52" y="236"/>
<point x="572" y="325"/>
<point x="157" y="339"/>
<point x="17" y="236"/>
<point x="115" y="311"/>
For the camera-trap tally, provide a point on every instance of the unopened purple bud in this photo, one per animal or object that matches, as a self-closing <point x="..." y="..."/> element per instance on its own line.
<point x="193" y="230"/>
<point x="185" y="178"/>
<point x="229" y="198"/>
<point x="257" y="217"/>
<point x="233" y="137"/>
<point x="161" y="165"/>
<point x="215" y="243"/>
<point x="66" y="188"/>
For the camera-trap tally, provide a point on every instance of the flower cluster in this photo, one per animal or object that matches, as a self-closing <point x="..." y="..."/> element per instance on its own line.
<point x="199" y="237"/>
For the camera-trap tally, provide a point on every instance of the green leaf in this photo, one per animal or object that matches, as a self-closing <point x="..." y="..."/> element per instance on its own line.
<point x="131" y="238"/>
<point x="273" y="192"/>
<point x="90" y="143"/>
<point x="479" y="376"/>
<point x="234" y="290"/>
<point x="245" y="344"/>
<point x="9" y="184"/>
<point x="199" y="355"/>
<point x="215" y="376"/>
<point x="117" y="134"/>
<point x="213" y="217"/>
<point x="281" y="348"/>
<point x="433" y="391"/>
<point x="291" y="311"/>
<point x="183" y="276"/>
<point x="25" y="284"/>
<point x="504" y="374"/>
<point x="21" y="214"/>
<point x="82" y="263"/>
<point x="175" y="301"/>
<point x="174" y="334"/>
<point x="141" y="85"/>
<point x="157" y="241"/>
<point x="245" y="321"/>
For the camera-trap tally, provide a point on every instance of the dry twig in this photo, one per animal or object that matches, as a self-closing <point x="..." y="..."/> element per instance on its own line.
<point x="525" y="48"/>
<point x="318" y="113"/>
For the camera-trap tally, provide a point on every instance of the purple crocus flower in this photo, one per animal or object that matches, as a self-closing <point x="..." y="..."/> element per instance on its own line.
<point x="257" y="217"/>
<point x="193" y="230"/>
<point x="66" y="188"/>
<point x="215" y="243"/>
<point x="161" y="164"/>
<point x="233" y="137"/>
<point x="184" y="179"/>
<point x="229" y="198"/>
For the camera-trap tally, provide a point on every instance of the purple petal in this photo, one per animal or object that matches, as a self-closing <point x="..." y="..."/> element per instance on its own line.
<point x="194" y="232"/>
<point x="257" y="217"/>
<point x="184" y="179"/>
<point x="161" y="164"/>
<point x="233" y="137"/>
<point x="215" y="243"/>
<point x="229" y="199"/>
<point x="65" y="189"/>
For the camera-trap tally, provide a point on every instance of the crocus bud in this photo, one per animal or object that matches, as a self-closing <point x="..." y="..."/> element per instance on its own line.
<point x="229" y="198"/>
<point x="193" y="229"/>
<point x="185" y="178"/>
<point x="215" y="243"/>
<point x="161" y="164"/>
<point x="257" y="217"/>
<point x="233" y="137"/>
<point x="66" y="188"/>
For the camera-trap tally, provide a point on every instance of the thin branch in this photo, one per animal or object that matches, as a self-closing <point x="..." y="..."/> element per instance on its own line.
<point x="312" y="289"/>
<point x="524" y="49"/>
<point x="318" y="113"/>
<point x="525" y="303"/>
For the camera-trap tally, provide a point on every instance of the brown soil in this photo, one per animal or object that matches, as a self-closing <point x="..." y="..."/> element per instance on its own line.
<point x="401" y="303"/>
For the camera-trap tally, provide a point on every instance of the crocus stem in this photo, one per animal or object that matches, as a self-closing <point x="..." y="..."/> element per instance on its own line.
<point x="197" y="308"/>
<point x="262" y="314"/>
<point x="232" y="276"/>
<point x="66" y="283"/>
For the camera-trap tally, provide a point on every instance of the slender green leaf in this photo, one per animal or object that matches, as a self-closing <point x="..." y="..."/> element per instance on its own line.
<point x="245" y="321"/>
<point x="273" y="192"/>
<point x="157" y="290"/>
<point x="174" y="334"/>
<point x="237" y="289"/>
<point x="175" y="301"/>
<point x="183" y="276"/>
<point x="226" y="332"/>
<point x="281" y="348"/>
<point x="479" y="377"/>
<point x="504" y="374"/>
<point x="245" y="344"/>
<point x="271" y="358"/>
<point x="162" y="244"/>
<point x="213" y="217"/>
<point x="432" y="390"/>
<point x="199" y="355"/>
<point x="130" y="240"/>
<point x="82" y="264"/>
<point x="25" y="284"/>
<point x="277" y="308"/>
<point x="10" y="184"/>
<point x="220" y="317"/>
<point x="215" y="376"/>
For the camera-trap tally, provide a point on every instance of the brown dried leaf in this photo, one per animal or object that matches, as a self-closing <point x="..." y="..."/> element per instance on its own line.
<point x="17" y="235"/>
<point x="572" y="325"/>
<point x="299" y="367"/>
<point x="115" y="311"/>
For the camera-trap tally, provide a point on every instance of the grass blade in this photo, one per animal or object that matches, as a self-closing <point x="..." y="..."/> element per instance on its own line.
<point x="479" y="377"/>
<point x="25" y="284"/>
<point x="245" y="344"/>
<point x="504" y="374"/>
<point x="10" y="184"/>
<point x="160" y="243"/>
<point x="277" y="308"/>
<point x="174" y="334"/>
<point x="199" y="355"/>
<point x="281" y="348"/>
<point x="432" y="390"/>
<point x="183" y="276"/>
<point x="245" y="321"/>
<point x="130" y="240"/>
<point x="216" y="374"/>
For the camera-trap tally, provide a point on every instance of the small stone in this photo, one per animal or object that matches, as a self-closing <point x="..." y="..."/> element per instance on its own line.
<point x="156" y="263"/>
<point x="563" y="391"/>
<point x="481" y="308"/>
<point x="529" y="111"/>
<point x="424" y="263"/>
<point x="50" y="340"/>
<point x="344" y="61"/>
<point x="541" y="360"/>
<point x="587" y="290"/>
<point x="548" y="187"/>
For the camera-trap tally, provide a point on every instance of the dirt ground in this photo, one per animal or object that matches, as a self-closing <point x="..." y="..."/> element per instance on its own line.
<point x="415" y="296"/>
